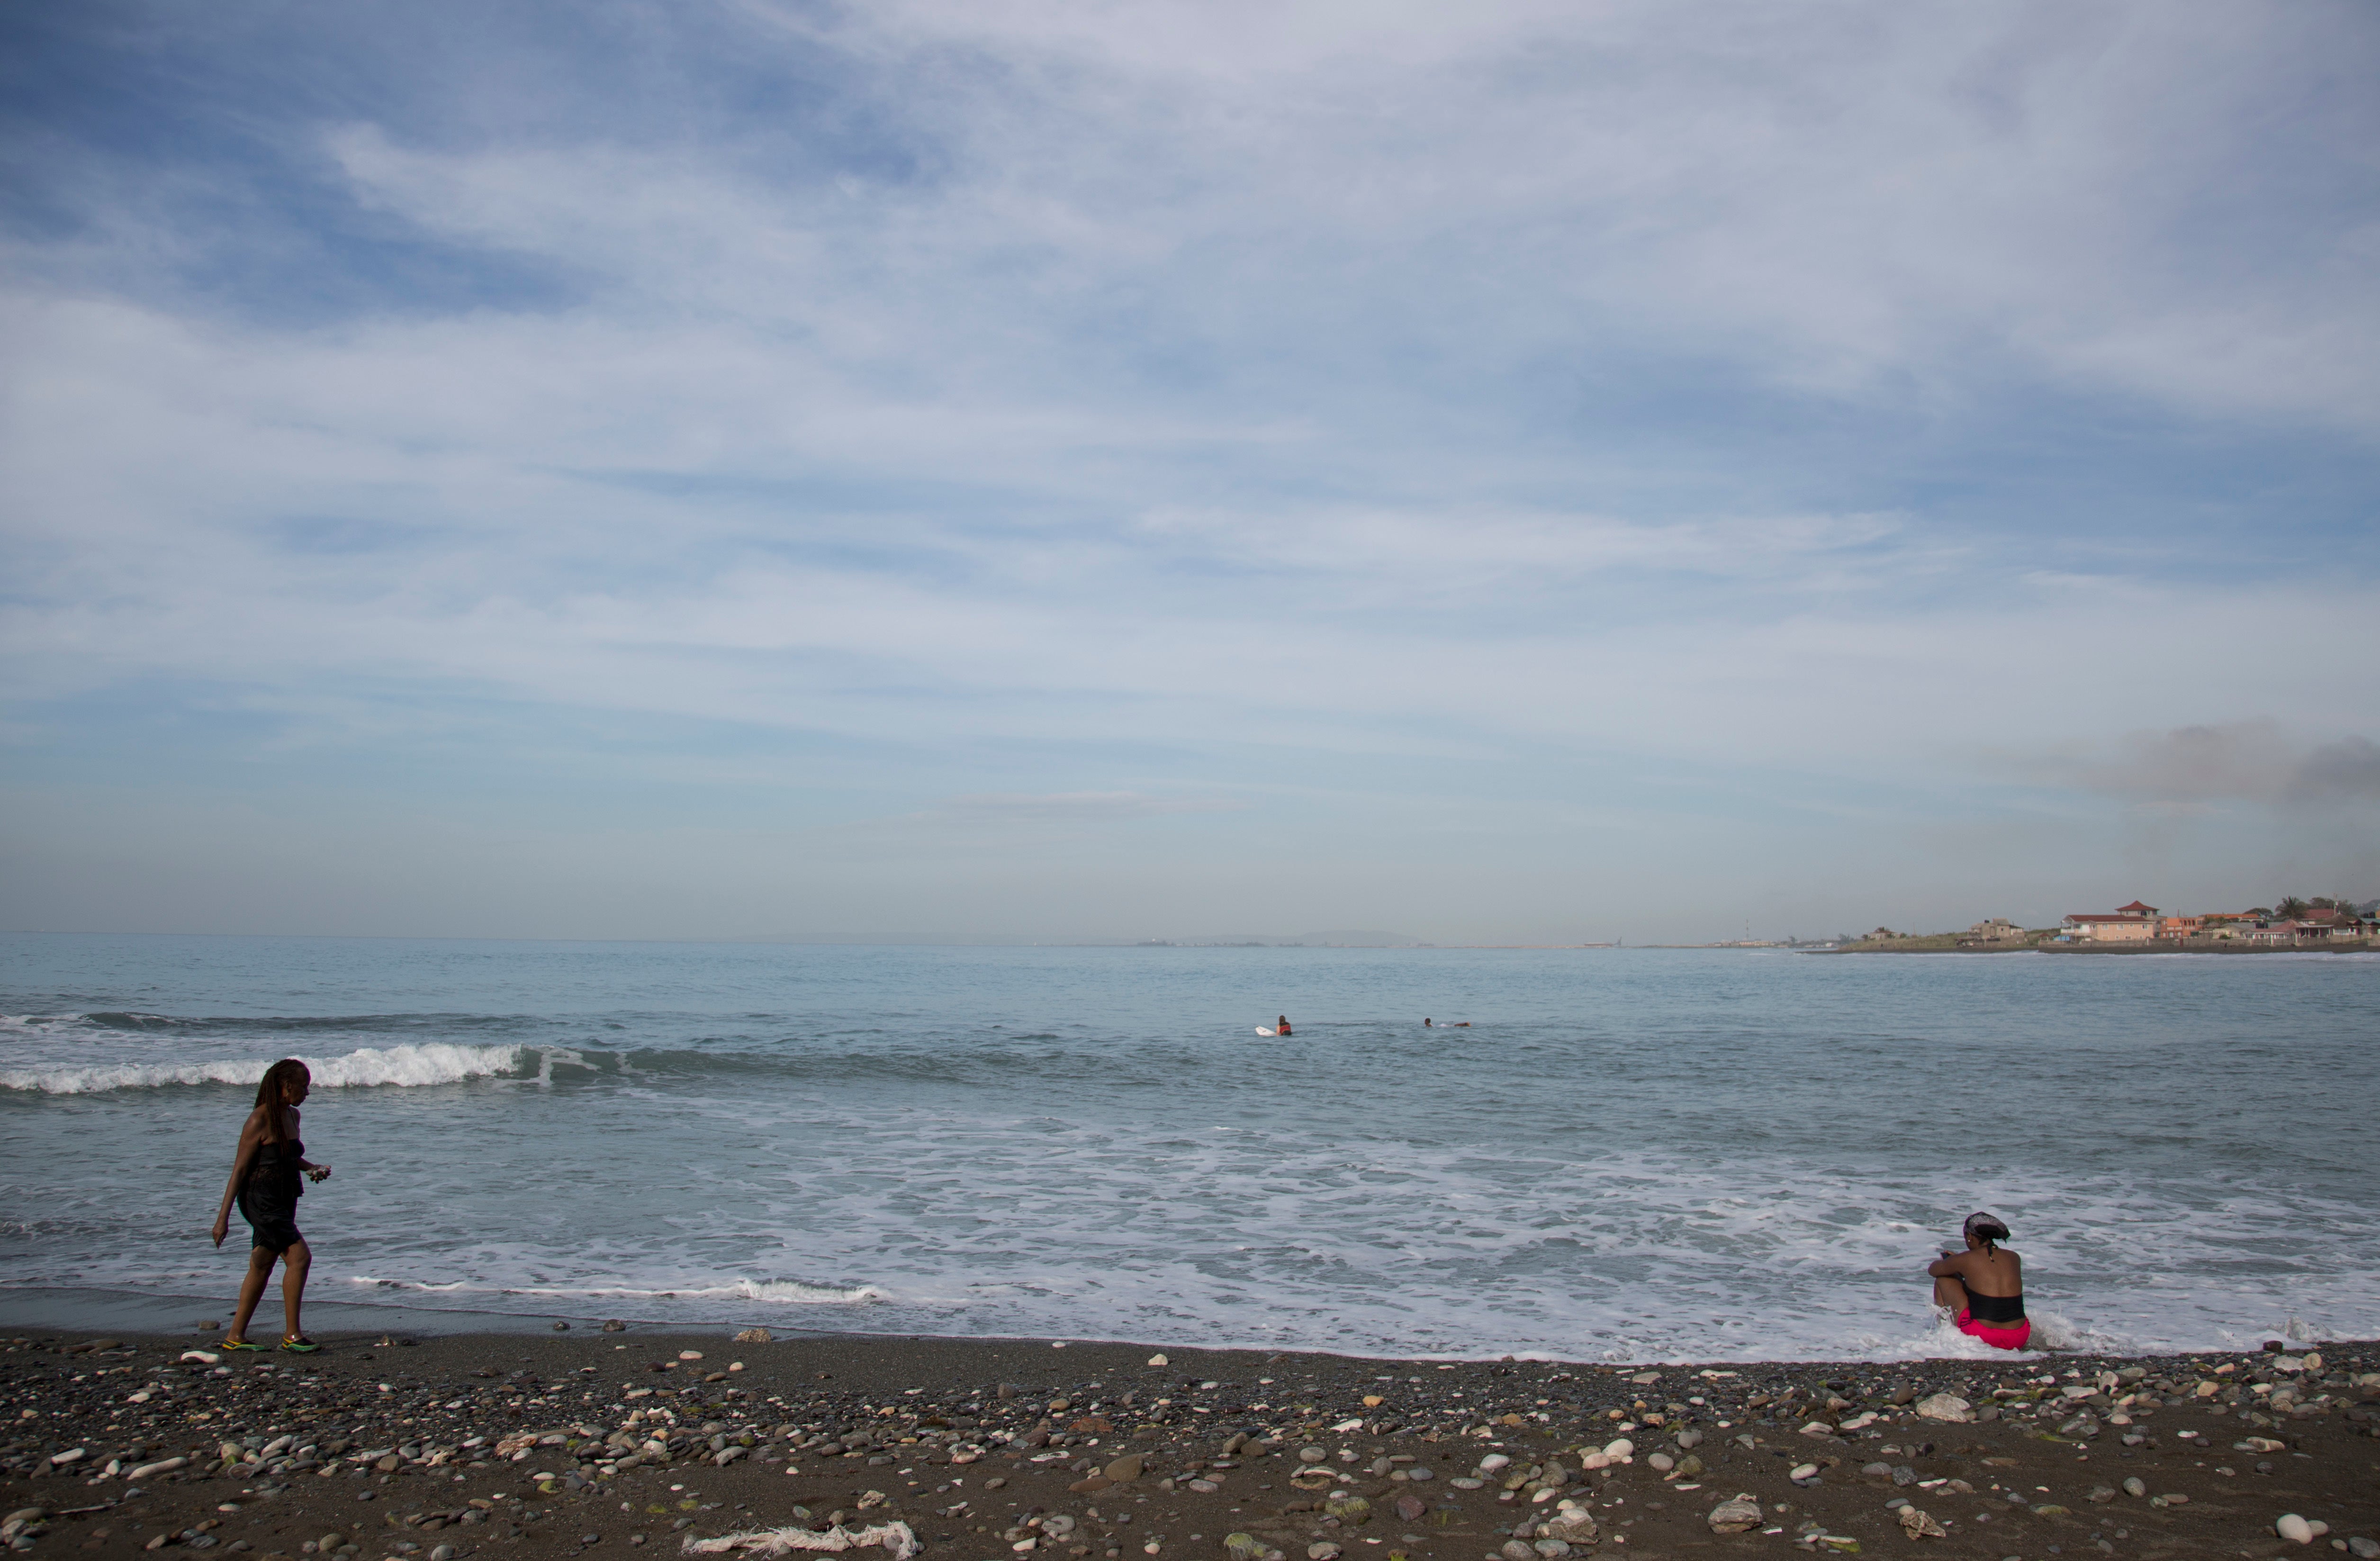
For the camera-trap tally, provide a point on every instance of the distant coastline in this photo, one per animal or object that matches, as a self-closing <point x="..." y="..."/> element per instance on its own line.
<point x="2206" y="945"/>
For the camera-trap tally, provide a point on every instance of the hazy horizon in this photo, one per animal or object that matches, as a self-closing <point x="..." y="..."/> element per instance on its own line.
<point x="1534" y="474"/>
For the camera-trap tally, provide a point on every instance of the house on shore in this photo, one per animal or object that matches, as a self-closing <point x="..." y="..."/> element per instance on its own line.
<point x="2133" y="923"/>
<point x="2139" y="923"/>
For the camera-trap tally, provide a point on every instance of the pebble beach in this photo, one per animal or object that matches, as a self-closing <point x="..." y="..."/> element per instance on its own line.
<point x="387" y="1447"/>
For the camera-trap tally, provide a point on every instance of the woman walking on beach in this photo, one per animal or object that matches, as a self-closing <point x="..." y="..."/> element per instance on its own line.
<point x="266" y="1179"/>
<point x="1982" y="1287"/>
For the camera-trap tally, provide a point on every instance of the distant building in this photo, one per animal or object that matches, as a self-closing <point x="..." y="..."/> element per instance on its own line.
<point x="2330" y="921"/>
<point x="2000" y="929"/>
<point x="2133" y="923"/>
<point x="1878" y="935"/>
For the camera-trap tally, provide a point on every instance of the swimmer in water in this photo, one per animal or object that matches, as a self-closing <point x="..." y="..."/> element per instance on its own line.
<point x="1281" y="1027"/>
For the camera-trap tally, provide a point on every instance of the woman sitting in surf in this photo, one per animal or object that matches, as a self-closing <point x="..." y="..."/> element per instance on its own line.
<point x="1981" y="1289"/>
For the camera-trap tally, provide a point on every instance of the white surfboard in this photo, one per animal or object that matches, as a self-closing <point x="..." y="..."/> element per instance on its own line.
<point x="1262" y="1030"/>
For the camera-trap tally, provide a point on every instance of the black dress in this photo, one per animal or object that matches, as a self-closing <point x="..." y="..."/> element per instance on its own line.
<point x="268" y="1200"/>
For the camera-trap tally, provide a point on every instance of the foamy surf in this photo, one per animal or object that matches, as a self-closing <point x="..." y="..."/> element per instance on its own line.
<point x="1682" y="1156"/>
<point x="429" y="1063"/>
<point x="777" y="1292"/>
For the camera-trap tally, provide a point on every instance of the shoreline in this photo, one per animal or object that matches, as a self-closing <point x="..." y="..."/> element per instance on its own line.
<point x="100" y="1309"/>
<point x="446" y="1446"/>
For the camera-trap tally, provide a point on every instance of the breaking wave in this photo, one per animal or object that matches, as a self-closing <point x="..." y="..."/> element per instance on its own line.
<point x="429" y="1063"/>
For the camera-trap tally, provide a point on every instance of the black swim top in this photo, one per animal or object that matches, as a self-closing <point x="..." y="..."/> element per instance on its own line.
<point x="1995" y="1309"/>
<point x="280" y="1163"/>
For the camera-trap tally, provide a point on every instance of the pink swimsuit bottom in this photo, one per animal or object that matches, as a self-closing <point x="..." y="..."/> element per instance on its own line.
<point x="2009" y="1337"/>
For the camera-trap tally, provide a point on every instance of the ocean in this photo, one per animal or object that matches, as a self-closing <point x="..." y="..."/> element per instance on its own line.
<point x="1632" y="1156"/>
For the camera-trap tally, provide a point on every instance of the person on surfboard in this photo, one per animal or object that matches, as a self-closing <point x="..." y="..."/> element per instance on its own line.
<point x="1282" y="1027"/>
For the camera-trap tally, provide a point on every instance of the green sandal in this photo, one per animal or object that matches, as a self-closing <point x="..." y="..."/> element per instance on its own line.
<point x="238" y="1344"/>
<point x="301" y="1344"/>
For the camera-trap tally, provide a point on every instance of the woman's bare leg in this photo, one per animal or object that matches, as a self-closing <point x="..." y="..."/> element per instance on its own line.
<point x="1951" y="1293"/>
<point x="294" y="1265"/>
<point x="251" y="1289"/>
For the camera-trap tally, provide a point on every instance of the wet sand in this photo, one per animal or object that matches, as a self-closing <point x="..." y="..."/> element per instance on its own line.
<point x="437" y="1448"/>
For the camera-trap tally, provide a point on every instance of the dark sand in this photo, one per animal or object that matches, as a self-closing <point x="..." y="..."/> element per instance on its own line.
<point x="967" y="1439"/>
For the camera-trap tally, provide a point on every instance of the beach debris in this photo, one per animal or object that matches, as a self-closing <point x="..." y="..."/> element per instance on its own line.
<point x="560" y="1326"/>
<point x="199" y="1357"/>
<point x="1735" y="1515"/>
<point x="894" y="1537"/>
<point x="614" y="1325"/>
<point x="1945" y="1407"/>
<point x="1920" y="1525"/>
<point x="1159" y="1360"/>
<point x="754" y="1335"/>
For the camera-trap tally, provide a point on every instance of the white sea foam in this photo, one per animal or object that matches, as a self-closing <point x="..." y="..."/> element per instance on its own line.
<point x="428" y="1062"/>
<point x="778" y="1292"/>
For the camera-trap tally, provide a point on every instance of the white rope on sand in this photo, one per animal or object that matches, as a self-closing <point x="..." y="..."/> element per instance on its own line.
<point x="894" y="1537"/>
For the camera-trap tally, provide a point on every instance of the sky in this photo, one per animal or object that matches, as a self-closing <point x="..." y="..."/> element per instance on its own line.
<point x="1508" y="473"/>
